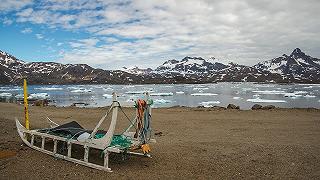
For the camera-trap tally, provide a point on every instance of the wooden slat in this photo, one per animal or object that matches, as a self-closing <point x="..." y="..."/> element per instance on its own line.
<point x="55" y="146"/>
<point x="42" y="142"/>
<point x="69" y="149"/>
<point x="32" y="139"/>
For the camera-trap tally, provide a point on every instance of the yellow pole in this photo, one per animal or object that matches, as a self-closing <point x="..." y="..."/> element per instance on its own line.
<point x="25" y="101"/>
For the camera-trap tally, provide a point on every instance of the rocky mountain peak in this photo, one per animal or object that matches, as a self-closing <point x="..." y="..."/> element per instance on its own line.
<point x="297" y="53"/>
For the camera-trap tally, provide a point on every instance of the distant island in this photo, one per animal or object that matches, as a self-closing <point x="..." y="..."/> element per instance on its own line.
<point x="294" y="68"/>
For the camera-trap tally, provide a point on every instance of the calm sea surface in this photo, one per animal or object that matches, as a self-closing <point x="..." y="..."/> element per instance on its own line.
<point x="221" y="94"/>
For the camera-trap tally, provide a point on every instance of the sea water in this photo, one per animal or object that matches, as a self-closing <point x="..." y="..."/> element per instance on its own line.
<point x="244" y="95"/>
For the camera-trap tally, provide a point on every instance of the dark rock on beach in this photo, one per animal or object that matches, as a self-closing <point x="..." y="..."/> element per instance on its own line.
<point x="256" y="107"/>
<point x="268" y="107"/>
<point x="232" y="106"/>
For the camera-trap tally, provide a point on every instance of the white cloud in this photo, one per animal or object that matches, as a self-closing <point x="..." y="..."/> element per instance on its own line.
<point x="39" y="36"/>
<point x="26" y="30"/>
<point x="6" y="21"/>
<point x="148" y="32"/>
<point x="9" y="5"/>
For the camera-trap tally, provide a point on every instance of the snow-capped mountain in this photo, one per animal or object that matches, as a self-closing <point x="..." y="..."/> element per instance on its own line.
<point x="190" y="65"/>
<point x="136" y="70"/>
<point x="13" y="70"/>
<point x="297" y="67"/>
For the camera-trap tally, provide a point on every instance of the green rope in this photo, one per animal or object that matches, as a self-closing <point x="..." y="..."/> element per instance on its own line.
<point x="117" y="140"/>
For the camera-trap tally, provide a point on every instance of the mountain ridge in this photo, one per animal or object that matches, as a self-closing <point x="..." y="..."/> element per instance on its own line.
<point x="294" y="68"/>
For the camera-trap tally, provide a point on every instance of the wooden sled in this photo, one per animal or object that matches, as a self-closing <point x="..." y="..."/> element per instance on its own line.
<point x="103" y="143"/>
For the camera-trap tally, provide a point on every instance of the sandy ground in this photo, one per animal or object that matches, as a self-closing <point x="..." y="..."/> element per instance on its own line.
<point x="195" y="144"/>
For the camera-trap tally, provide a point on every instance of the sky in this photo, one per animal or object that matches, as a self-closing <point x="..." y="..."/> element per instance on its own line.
<point x="145" y="33"/>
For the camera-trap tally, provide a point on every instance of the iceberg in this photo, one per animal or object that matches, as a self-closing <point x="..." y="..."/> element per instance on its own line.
<point x="209" y="103"/>
<point x="162" y="94"/>
<point x="200" y="88"/>
<point x="292" y="95"/>
<point x="10" y="89"/>
<point x="161" y="101"/>
<point x="236" y="98"/>
<point x="258" y="100"/>
<point x="309" y="96"/>
<point x="107" y="89"/>
<point x="203" y="94"/>
<point x="81" y="90"/>
<point x="135" y="92"/>
<point x="38" y="96"/>
<point x="269" y="92"/>
<point x="108" y="96"/>
<point x="49" y="88"/>
<point x="5" y="95"/>
<point x="300" y="92"/>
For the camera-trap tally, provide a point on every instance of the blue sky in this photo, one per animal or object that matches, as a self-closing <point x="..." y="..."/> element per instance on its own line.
<point x="112" y="34"/>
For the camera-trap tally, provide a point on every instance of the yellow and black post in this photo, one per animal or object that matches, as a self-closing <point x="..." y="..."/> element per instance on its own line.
<point x="25" y="101"/>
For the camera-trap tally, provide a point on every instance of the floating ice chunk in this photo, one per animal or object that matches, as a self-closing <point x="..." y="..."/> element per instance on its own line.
<point x="300" y="92"/>
<point x="19" y="96"/>
<point x="292" y="95"/>
<point x="179" y="92"/>
<point x="135" y="92"/>
<point x="162" y="94"/>
<point x="258" y="100"/>
<point x="236" y="98"/>
<point x="209" y="103"/>
<point x="4" y="95"/>
<point x="107" y="89"/>
<point x="200" y="88"/>
<point x="247" y="89"/>
<point x="10" y="89"/>
<point x="49" y="88"/>
<point x="308" y="87"/>
<point x="161" y="101"/>
<point x="38" y="96"/>
<point x="108" y="96"/>
<point x="309" y="96"/>
<point x="203" y="94"/>
<point x="81" y="90"/>
<point x="269" y="92"/>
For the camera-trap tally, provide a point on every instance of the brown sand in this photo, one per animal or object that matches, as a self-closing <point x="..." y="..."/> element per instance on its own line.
<point x="195" y="143"/>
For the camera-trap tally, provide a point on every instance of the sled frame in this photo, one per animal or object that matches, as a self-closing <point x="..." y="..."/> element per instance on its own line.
<point x="100" y="144"/>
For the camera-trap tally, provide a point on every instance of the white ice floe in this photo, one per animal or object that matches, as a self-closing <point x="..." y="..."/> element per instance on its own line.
<point x="292" y="95"/>
<point x="10" y="89"/>
<point x="81" y="90"/>
<point x="236" y="98"/>
<point x="135" y="92"/>
<point x="309" y="96"/>
<point x="200" y="88"/>
<point x="108" y="96"/>
<point x="258" y="100"/>
<point x="38" y="96"/>
<point x="49" y="88"/>
<point x="209" y="103"/>
<point x="162" y="94"/>
<point x="203" y="94"/>
<point x="179" y="92"/>
<point x="19" y="96"/>
<point x="300" y="92"/>
<point x="107" y="89"/>
<point x="269" y="92"/>
<point x="161" y="101"/>
<point x="4" y="95"/>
